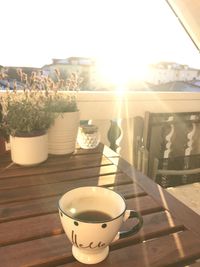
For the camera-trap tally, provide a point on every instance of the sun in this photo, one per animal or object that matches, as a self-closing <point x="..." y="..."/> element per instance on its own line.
<point x="125" y="37"/>
<point x="122" y="70"/>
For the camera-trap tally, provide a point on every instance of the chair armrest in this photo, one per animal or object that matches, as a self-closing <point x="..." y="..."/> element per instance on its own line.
<point x="178" y="172"/>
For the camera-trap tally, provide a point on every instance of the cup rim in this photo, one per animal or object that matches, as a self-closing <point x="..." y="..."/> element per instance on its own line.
<point x="93" y="222"/>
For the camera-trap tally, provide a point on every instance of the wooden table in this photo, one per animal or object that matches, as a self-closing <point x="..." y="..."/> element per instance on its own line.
<point x="31" y="233"/>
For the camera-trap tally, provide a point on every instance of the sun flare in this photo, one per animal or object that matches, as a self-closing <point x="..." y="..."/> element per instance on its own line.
<point x="120" y="71"/>
<point x="124" y="37"/>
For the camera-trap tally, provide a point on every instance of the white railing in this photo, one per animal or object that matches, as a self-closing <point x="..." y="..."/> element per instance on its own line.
<point x="101" y="107"/>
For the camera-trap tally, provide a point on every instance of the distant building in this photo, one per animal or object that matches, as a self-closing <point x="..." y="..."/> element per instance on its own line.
<point x="80" y="65"/>
<point x="74" y="61"/>
<point x="176" y="86"/>
<point x="163" y="76"/>
<point x="164" y="72"/>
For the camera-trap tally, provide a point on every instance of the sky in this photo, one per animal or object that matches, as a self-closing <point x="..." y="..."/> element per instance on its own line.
<point x="128" y="33"/>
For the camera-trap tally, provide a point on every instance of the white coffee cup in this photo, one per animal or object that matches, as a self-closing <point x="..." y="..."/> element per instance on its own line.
<point x="91" y="217"/>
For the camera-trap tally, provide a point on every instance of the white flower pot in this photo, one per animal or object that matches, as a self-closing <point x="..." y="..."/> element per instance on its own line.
<point x="29" y="151"/>
<point x="62" y="134"/>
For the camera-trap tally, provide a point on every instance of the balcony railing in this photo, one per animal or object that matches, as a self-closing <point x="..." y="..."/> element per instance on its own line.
<point x="115" y="113"/>
<point x="110" y="110"/>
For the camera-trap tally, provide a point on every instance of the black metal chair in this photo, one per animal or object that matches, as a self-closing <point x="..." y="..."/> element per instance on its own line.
<point x="168" y="150"/>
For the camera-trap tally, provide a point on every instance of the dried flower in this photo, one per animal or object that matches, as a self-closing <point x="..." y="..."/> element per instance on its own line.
<point x="26" y="113"/>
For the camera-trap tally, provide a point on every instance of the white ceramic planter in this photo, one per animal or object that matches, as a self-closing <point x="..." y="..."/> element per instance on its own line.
<point x="62" y="134"/>
<point x="29" y="151"/>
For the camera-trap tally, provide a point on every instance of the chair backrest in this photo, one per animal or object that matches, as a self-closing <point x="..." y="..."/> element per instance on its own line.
<point x="172" y="141"/>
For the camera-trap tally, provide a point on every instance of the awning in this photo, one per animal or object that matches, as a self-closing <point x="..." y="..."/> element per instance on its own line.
<point x="188" y="12"/>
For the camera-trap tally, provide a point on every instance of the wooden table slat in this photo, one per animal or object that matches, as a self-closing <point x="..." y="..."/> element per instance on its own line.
<point x="45" y="190"/>
<point x="30" y="229"/>
<point x="13" y="170"/>
<point x="42" y="178"/>
<point x="152" y="253"/>
<point x="56" y="249"/>
<point x="43" y="206"/>
<point x="45" y="225"/>
<point x="196" y="264"/>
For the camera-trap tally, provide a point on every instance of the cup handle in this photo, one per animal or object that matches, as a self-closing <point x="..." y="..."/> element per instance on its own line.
<point x="128" y="215"/>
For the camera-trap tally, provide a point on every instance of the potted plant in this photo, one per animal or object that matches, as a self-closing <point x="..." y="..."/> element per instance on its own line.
<point x="62" y="134"/>
<point x="60" y="104"/>
<point x="61" y="97"/>
<point x="27" y="121"/>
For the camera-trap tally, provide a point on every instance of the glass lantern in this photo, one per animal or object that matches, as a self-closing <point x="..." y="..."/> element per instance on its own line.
<point x="88" y="136"/>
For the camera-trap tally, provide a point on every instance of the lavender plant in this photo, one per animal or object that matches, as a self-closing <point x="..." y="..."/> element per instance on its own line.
<point x="27" y="114"/>
<point x="32" y="110"/>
